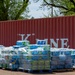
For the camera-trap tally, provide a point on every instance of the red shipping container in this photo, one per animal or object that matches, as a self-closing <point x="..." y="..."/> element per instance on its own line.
<point x="58" y="30"/>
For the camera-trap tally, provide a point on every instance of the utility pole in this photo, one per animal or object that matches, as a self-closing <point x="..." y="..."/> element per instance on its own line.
<point x="51" y="8"/>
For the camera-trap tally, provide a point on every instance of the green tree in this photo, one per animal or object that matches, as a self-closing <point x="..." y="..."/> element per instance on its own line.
<point x="12" y="9"/>
<point x="66" y="7"/>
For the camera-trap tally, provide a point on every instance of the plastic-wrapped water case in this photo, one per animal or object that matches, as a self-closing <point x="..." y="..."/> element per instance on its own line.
<point x="45" y="52"/>
<point x="27" y="57"/>
<point x="34" y="63"/>
<point x="61" y="62"/>
<point x="47" y="47"/>
<point x="72" y="51"/>
<point x="41" y="62"/>
<point x="54" y="52"/>
<point x="73" y="56"/>
<point x="41" y="67"/>
<point x="35" y="57"/>
<point x="47" y="67"/>
<point x="40" y="52"/>
<point x="62" y="57"/>
<point x="33" y="46"/>
<point x="73" y="62"/>
<point x="37" y="51"/>
<point x="68" y="65"/>
<point x="34" y="52"/>
<point x="41" y="42"/>
<point x="45" y="57"/>
<point x="34" y="67"/>
<point x="54" y="67"/>
<point x="54" y="62"/>
<point x="68" y="53"/>
<point x="47" y="63"/>
<point x="54" y="58"/>
<point x="61" y="67"/>
<point x="22" y="43"/>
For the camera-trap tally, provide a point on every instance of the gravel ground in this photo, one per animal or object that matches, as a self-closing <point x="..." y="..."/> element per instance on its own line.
<point x="7" y="72"/>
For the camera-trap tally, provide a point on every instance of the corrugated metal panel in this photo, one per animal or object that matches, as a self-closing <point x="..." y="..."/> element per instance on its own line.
<point x="50" y="28"/>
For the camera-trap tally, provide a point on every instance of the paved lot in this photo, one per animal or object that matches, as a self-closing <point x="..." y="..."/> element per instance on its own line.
<point x="7" y="72"/>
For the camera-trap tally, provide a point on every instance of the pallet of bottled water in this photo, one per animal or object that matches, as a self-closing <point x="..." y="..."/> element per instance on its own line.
<point x="61" y="58"/>
<point x="37" y="57"/>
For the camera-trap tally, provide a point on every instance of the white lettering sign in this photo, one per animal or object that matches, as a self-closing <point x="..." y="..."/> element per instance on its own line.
<point x="23" y="36"/>
<point x="62" y="41"/>
<point x="54" y="43"/>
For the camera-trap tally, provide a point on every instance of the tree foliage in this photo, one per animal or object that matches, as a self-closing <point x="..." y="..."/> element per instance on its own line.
<point x="67" y="7"/>
<point x="12" y="9"/>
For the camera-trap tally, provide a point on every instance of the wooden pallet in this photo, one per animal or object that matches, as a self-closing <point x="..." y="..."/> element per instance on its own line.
<point x="63" y="70"/>
<point x="38" y="71"/>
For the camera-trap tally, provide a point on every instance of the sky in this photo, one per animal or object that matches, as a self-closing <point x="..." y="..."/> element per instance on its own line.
<point x="35" y="11"/>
